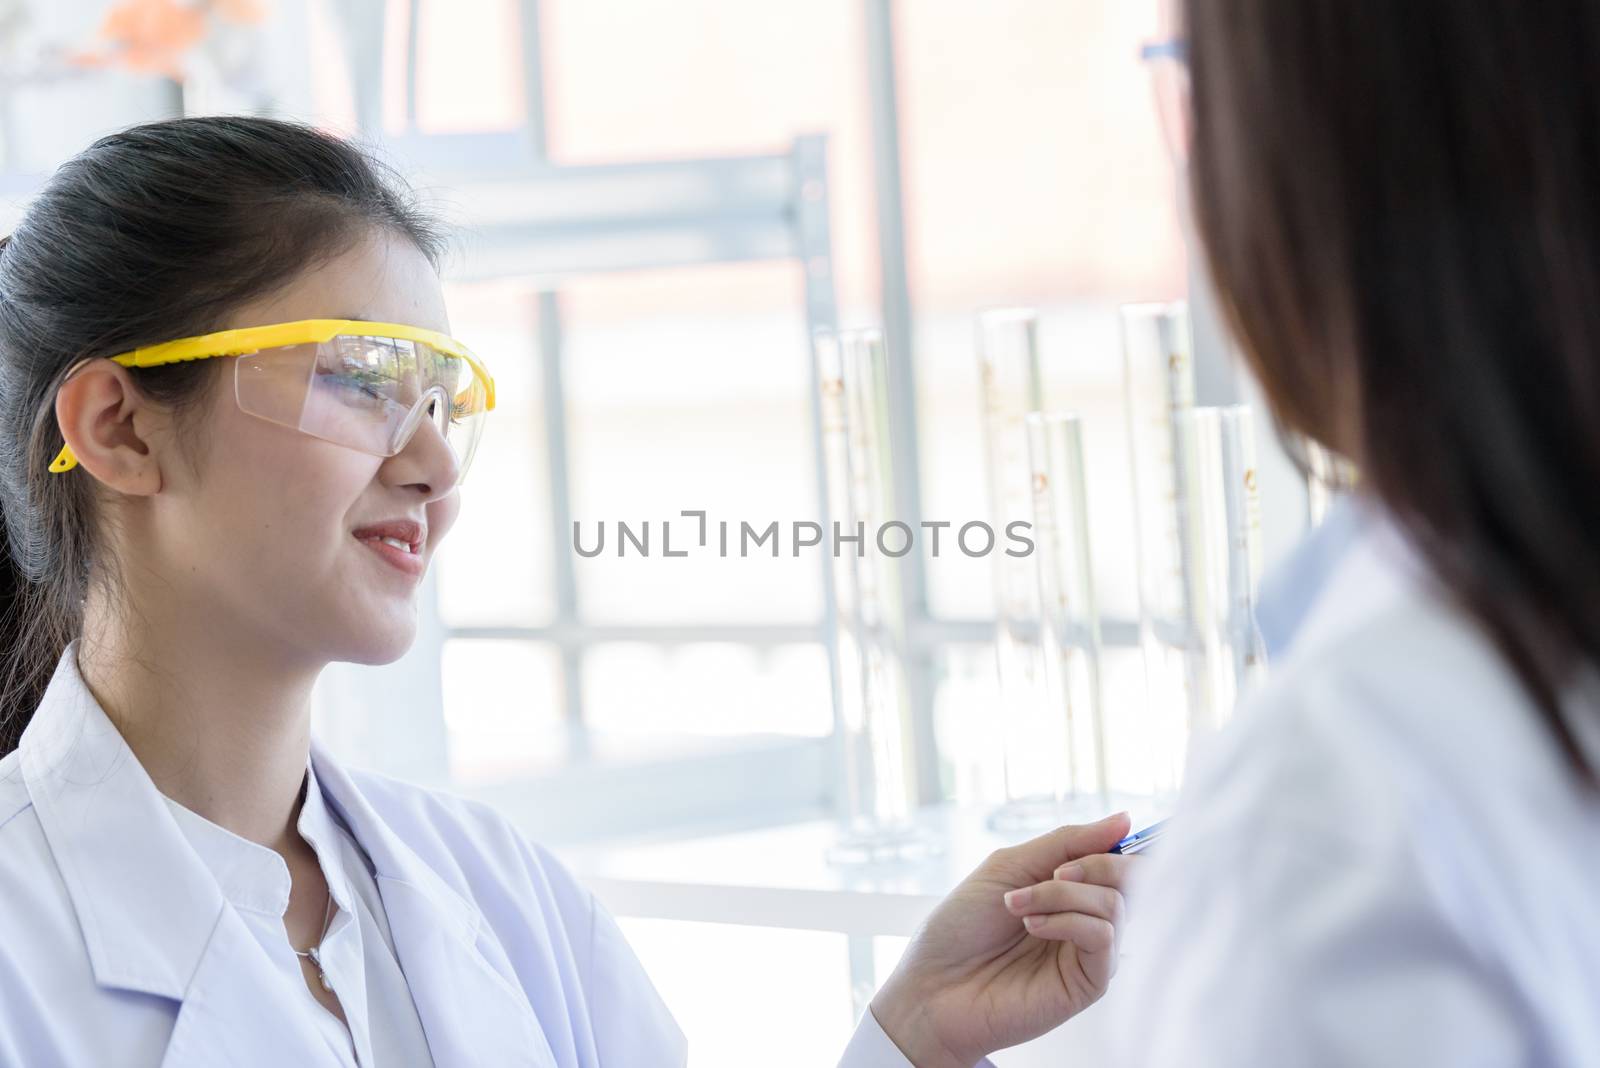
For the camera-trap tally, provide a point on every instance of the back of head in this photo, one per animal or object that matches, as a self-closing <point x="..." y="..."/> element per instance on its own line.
<point x="152" y="233"/>
<point x="1398" y="205"/>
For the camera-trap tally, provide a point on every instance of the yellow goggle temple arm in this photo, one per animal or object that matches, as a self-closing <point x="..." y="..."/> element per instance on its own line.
<point x="66" y="461"/>
<point x="255" y="338"/>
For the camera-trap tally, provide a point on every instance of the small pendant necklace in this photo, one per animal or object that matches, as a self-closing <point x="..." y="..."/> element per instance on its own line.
<point x="314" y="954"/>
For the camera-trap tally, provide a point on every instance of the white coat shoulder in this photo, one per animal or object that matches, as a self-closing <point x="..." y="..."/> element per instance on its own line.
<point x="33" y="897"/>
<point x="44" y="962"/>
<point x="1384" y="860"/>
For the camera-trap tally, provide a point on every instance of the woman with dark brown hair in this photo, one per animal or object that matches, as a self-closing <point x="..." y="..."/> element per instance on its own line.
<point x="1393" y="856"/>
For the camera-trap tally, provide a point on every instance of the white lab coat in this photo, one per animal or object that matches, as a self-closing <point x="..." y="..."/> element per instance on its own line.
<point x="117" y="946"/>
<point x="1383" y="861"/>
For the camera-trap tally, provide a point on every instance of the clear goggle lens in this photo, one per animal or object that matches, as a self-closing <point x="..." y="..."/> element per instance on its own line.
<point x="367" y="393"/>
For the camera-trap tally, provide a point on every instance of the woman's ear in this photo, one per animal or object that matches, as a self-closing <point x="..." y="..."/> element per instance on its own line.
<point x="108" y="422"/>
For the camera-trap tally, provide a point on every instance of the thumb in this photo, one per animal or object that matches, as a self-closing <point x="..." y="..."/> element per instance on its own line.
<point x="1044" y="854"/>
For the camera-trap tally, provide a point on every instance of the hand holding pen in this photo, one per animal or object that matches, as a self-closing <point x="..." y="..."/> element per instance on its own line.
<point x="1026" y="941"/>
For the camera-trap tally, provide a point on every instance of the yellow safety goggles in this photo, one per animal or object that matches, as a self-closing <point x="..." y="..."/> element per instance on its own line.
<point x="367" y="386"/>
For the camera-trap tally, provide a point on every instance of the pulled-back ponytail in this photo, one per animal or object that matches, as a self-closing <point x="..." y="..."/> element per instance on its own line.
<point x="37" y="619"/>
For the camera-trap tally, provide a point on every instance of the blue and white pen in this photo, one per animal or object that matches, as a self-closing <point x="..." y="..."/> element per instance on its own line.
<point x="1137" y="841"/>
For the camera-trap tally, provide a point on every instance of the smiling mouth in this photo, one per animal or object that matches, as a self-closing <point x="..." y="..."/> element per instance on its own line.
<point x="403" y="535"/>
<point x="402" y="555"/>
<point x="403" y="546"/>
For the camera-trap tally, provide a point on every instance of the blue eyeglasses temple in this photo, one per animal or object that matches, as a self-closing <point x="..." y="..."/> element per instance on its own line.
<point x="1176" y="48"/>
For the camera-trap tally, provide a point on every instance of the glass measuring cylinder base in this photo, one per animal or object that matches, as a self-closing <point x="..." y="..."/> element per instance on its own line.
<point x="1031" y="816"/>
<point x="862" y="844"/>
<point x="1028" y="814"/>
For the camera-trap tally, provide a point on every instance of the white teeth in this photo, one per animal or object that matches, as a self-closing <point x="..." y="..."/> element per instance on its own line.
<point x="397" y="543"/>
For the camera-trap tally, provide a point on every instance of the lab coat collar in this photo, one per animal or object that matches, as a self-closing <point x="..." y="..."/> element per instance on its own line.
<point x="316" y="826"/>
<point x="1342" y="574"/>
<point x="251" y="876"/>
<point x="122" y="856"/>
<point x="471" y="1012"/>
<point x="255" y="877"/>
<point x="1292" y="586"/>
<point x="392" y="859"/>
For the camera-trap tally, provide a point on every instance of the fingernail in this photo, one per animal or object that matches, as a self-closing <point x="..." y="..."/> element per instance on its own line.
<point x="1018" y="899"/>
<point x="1070" y="873"/>
<point x="1114" y="816"/>
<point x="1030" y="922"/>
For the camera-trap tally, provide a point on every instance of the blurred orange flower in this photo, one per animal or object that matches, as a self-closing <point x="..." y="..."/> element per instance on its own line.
<point x="152" y="36"/>
<point x="244" y="11"/>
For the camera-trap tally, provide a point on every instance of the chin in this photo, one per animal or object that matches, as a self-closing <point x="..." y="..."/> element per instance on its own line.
<point x="378" y="657"/>
<point x="377" y="642"/>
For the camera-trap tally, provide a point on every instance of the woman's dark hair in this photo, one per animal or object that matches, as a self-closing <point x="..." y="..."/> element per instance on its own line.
<point x="156" y="232"/>
<point x="1400" y="204"/>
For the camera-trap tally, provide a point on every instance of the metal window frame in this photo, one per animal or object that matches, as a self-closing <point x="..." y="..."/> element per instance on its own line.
<point x="551" y="223"/>
<point x="724" y="210"/>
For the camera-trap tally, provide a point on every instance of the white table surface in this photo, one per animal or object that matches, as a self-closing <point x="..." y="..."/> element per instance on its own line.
<point x="780" y="876"/>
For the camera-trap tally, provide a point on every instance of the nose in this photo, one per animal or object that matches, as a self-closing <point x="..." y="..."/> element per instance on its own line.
<point x="425" y="459"/>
